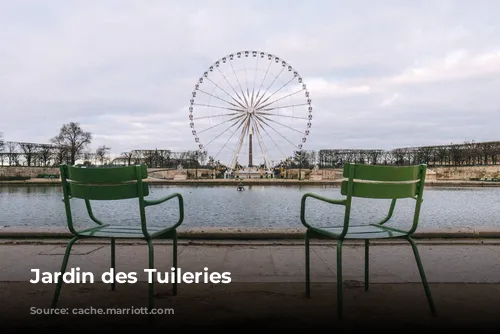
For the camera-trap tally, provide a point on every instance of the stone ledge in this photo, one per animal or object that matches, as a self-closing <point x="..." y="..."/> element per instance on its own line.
<point x="208" y="233"/>
<point x="290" y="182"/>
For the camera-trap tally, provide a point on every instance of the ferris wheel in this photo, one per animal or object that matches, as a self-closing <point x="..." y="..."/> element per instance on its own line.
<point x="250" y="108"/>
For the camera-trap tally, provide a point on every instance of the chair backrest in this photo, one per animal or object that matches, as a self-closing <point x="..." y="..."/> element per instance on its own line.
<point x="376" y="181"/>
<point x="383" y="182"/>
<point x="110" y="183"/>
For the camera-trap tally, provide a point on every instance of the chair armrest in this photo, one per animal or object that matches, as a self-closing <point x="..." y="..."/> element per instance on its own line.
<point x="393" y="229"/>
<point x="389" y="214"/>
<point x="320" y="198"/>
<point x="167" y="198"/>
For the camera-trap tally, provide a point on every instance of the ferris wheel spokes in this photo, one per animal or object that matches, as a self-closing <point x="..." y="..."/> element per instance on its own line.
<point x="232" y="97"/>
<point x="264" y="94"/>
<point x="271" y="95"/>
<point x="234" y="158"/>
<point x="283" y="107"/>
<point x="216" y="125"/>
<point x="269" y="108"/>
<point x="263" y="149"/>
<point x="229" y="127"/>
<point x="280" y="115"/>
<point x="217" y="107"/>
<point x="281" y="98"/>
<point x="232" y="134"/>
<point x="284" y="125"/>
<point x="263" y="79"/>
<point x="234" y="90"/>
<point x="220" y="115"/>
<point x="281" y="135"/>
<point x="272" y="139"/>
<point x="240" y="107"/>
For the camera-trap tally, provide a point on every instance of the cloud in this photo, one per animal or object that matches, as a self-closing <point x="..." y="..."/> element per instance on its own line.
<point x="456" y="65"/>
<point x="390" y="101"/>
<point x="324" y="88"/>
<point x="379" y="76"/>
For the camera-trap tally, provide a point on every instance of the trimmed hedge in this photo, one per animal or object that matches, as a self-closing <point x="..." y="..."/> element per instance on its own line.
<point x="14" y="178"/>
<point x="48" y="176"/>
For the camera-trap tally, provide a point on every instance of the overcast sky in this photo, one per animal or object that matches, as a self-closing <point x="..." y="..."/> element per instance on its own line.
<point x="381" y="74"/>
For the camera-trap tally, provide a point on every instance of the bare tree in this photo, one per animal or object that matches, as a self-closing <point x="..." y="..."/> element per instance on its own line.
<point x="72" y="137"/>
<point x="45" y="154"/>
<point x="137" y="156"/>
<point x="2" y="143"/>
<point x="202" y="157"/>
<point x="128" y="157"/>
<point x="101" y="153"/>
<point x="60" y="154"/>
<point x="29" y="151"/>
<point x="87" y="158"/>
<point x="12" y="154"/>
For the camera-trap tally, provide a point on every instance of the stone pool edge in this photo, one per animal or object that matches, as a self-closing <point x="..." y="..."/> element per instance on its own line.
<point x="221" y="233"/>
<point x="262" y="182"/>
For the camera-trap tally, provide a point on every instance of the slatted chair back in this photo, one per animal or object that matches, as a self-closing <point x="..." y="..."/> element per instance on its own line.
<point x="103" y="184"/>
<point x="384" y="182"/>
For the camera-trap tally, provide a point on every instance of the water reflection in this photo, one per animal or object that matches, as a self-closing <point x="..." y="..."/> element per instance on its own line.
<point x="257" y="206"/>
<point x="29" y="189"/>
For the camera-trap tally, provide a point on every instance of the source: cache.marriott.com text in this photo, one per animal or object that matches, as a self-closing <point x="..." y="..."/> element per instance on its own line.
<point x="101" y="311"/>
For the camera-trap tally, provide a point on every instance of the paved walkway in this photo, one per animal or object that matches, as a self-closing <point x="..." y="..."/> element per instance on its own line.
<point x="477" y="261"/>
<point x="267" y="290"/>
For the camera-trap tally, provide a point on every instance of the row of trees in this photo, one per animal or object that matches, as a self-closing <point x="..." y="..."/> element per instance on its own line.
<point x="160" y="158"/>
<point x="66" y="147"/>
<point x="70" y="145"/>
<point x="466" y="154"/>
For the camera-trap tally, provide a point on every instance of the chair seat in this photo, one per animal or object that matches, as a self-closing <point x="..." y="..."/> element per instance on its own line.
<point x="119" y="232"/>
<point x="362" y="232"/>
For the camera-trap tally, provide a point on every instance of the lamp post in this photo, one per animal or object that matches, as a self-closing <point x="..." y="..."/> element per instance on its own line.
<point x="196" y="166"/>
<point x="300" y="164"/>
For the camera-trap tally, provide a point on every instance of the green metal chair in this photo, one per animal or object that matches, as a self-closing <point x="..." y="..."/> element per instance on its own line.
<point x="114" y="183"/>
<point x="375" y="182"/>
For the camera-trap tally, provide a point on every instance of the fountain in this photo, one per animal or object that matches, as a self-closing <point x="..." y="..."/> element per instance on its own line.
<point x="181" y="173"/>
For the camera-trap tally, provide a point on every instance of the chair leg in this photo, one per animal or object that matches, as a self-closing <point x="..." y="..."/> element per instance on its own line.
<point x="63" y="270"/>
<point x="308" y="267"/>
<point x="113" y="263"/>
<point x="151" y="266"/>
<point x="174" y="239"/>
<point x="339" y="280"/>
<point x="367" y="264"/>
<point x="422" y="275"/>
